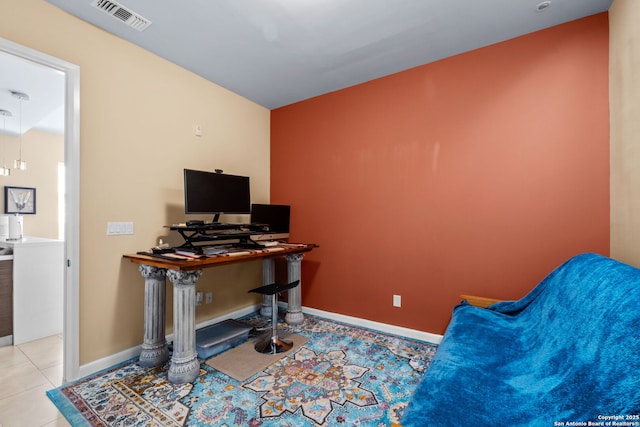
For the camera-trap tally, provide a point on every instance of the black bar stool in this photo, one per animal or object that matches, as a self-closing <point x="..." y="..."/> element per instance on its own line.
<point x="274" y="344"/>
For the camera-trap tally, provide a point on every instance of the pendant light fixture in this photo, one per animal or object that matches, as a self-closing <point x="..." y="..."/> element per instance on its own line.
<point x="4" y="170"/>
<point x="19" y="163"/>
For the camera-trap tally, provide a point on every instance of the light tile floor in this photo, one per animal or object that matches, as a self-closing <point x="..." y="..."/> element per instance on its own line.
<point x="27" y="371"/>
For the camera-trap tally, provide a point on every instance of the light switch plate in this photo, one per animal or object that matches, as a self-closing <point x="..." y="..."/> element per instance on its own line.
<point x="119" y="228"/>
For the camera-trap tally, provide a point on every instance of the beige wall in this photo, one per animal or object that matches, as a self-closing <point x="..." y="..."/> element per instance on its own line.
<point x="624" y="87"/>
<point x="42" y="151"/>
<point x="137" y="117"/>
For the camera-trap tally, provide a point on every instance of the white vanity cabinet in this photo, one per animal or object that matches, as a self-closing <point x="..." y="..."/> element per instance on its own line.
<point x="38" y="286"/>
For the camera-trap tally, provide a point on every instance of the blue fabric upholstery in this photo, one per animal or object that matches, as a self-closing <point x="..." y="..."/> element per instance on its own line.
<point x="568" y="352"/>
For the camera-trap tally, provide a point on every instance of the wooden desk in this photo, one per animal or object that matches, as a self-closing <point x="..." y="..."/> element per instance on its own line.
<point x="184" y="274"/>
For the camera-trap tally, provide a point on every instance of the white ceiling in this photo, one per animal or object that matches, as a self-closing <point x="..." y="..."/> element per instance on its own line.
<point x="45" y="88"/>
<point x="277" y="52"/>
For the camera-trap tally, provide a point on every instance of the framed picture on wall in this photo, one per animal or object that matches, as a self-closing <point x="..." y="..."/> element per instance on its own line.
<point x="19" y="200"/>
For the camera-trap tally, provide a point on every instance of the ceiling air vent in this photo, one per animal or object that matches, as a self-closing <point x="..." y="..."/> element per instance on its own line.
<point x="121" y="13"/>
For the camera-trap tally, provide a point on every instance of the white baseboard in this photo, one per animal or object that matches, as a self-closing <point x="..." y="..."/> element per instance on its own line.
<point x="383" y="327"/>
<point x="114" y="359"/>
<point x="7" y="340"/>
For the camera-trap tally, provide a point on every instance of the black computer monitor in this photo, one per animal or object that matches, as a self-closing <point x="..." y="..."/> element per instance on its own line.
<point x="276" y="217"/>
<point x="215" y="193"/>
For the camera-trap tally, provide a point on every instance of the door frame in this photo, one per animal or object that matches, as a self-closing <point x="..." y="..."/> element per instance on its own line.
<point x="71" y="305"/>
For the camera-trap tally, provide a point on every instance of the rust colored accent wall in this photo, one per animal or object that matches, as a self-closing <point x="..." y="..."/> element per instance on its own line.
<point x="474" y="174"/>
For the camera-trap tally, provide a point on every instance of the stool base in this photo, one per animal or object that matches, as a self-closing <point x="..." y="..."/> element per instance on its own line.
<point x="273" y="346"/>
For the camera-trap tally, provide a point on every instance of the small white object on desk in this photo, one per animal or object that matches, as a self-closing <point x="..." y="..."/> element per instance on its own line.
<point x="236" y="253"/>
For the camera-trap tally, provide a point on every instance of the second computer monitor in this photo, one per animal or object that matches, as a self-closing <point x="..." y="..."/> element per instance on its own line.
<point x="276" y="217"/>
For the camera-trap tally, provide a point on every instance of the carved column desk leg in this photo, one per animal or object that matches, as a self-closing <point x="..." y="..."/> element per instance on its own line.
<point x="154" y="348"/>
<point x="268" y="277"/>
<point x="184" y="362"/>
<point x="294" y="310"/>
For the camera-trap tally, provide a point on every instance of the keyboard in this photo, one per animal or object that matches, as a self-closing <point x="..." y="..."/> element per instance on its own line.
<point x="231" y="232"/>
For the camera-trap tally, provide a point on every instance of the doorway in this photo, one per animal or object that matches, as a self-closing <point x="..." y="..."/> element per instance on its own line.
<point x="71" y="279"/>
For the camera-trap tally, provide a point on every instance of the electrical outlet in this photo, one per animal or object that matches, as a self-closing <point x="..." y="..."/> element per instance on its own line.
<point x="198" y="298"/>
<point x="397" y="301"/>
<point x="208" y="298"/>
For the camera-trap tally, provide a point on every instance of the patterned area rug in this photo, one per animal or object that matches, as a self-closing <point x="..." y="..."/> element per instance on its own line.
<point x="343" y="376"/>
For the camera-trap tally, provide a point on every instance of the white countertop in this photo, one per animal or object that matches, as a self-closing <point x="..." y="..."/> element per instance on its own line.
<point x="27" y="240"/>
